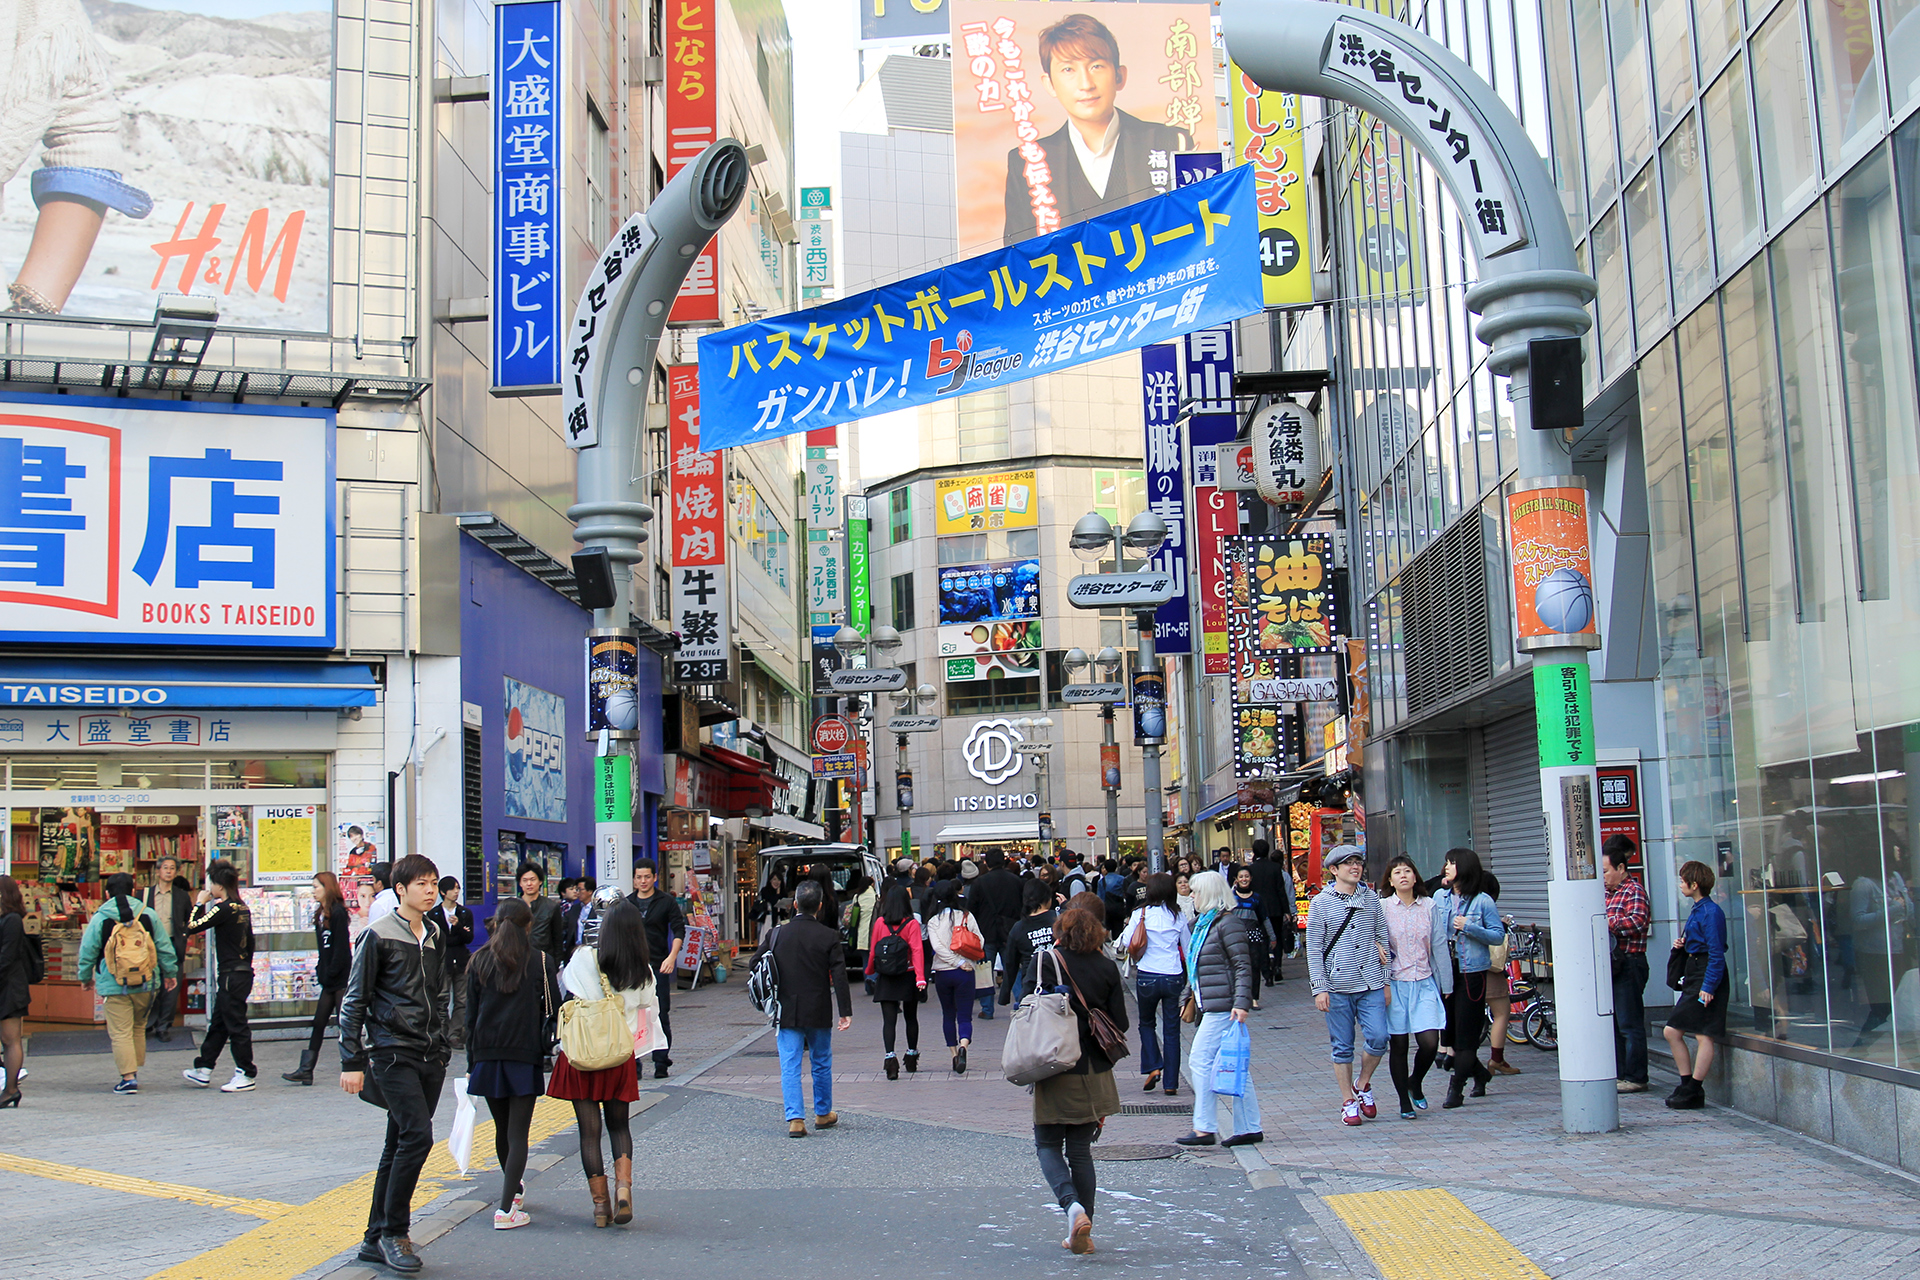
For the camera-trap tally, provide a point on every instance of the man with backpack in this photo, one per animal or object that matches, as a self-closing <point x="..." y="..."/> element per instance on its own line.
<point x="127" y="955"/>
<point x="1113" y="894"/>
<point x="804" y="963"/>
<point x="220" y="912"/>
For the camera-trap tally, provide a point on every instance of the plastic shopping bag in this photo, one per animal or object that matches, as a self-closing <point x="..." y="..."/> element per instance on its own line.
<point x="1236" y="1055"/>
<point x="460" y="1141"/>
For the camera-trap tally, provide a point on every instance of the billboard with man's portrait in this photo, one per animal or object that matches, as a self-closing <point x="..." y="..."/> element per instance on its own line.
<point x="1065" y="111"/>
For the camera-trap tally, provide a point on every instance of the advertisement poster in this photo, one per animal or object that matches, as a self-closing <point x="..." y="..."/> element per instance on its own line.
<point x="613" y="666"/>
<point x="536" y="753"/>
<point x="286" y="838"/>
<point x="1282" y="595"/>
<point x="983" y="650"/>
<point x="971" y="504"/>
<point x="232" y="829"/>
<point x="176" y="526"/>
<point x="1552" y="577"/>
<point x="1110" y="766"/>
<point x="356" y="847"/>
<point x="219" y="128"/>
<point x="1134" y="82"/>
<point x="1267" y="134"/>
<point x="1001" y="591"/>
<point x="1149" y="707"/>
<point x="69" y="845"/>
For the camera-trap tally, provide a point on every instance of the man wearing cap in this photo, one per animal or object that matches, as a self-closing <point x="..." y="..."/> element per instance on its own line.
<point x="1346" y="940"/>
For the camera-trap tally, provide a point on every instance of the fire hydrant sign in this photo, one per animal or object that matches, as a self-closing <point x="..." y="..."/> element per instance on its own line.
<point x="178" y="525"/>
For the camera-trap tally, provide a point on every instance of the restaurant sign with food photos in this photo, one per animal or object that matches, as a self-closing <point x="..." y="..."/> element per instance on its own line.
<point x="1281" y="598"/>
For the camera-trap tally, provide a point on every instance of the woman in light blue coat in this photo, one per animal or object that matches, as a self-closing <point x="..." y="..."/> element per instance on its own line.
<point x="1472" y="924"/>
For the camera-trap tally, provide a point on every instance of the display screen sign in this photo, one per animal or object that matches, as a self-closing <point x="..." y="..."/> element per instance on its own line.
<point x="982" y="650"/>
<point x="692" y="120"/>
<point x="206" y="136"/>
<point x="701" y="608"/>
<point x="973" y="504"/>
<point x="527" y="149"/>
<point x="1002" y="591"/>
<point x="1144" y="274"/>
<point x="182" y="525"/>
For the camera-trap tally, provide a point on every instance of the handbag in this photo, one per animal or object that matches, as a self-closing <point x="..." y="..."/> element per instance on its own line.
<point x="1044" y="1038"/>
<point x="1137" y="944"/>
<point x="593" y="1033"/>
<point x="966" y="943"/>
<point x="1677" y="968"/>
<point x="1105" y="1034"/>
<point x="1189" y="1008"/>
<point x="1235" y="1059"/>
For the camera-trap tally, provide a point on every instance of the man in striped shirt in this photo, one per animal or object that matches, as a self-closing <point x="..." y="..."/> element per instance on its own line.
<point x="1347" y="942"/>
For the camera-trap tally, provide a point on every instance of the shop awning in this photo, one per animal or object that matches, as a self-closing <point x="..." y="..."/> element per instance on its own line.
<point x="1215" y="810"/>
<point x="985" y="831"/>
<point x="788" y="825"/>
<point x="187" y="684"/>
<point x="725" y="783"/>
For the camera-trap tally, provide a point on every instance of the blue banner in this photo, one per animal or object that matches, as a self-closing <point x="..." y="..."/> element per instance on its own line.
<point x="1166" y="458"/>
<point x="1209" y="352"/>
<point x="1140" y="275"/>
<point x="526" y="196"/>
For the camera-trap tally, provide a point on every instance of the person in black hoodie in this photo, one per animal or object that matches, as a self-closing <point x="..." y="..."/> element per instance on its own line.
<point x="1028" y="936"/>
<point x="330" y="929"/>
<point x="994" y="899"/>
<point x="220" y="911"/>
<point x="513" y="991"/>
<point x="456" y="923"/>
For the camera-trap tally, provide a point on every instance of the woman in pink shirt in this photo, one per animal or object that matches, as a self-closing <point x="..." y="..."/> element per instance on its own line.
<point x="1419" y="981"/>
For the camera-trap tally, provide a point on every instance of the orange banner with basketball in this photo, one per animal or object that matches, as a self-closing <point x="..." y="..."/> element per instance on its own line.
<point x="1552" y="572"/>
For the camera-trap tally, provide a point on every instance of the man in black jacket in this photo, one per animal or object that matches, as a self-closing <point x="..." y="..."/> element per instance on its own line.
<point x="666" y="931"/>
<point x="1031" y="933"/>
<point x="171" y="901"/>
<point x="995" y="902"/>
<point x="1270" y="881"/>
<point x="393" y="1027"/>
<point x="220" y="911"/>
<point x="812" y="969"/>
<point x="456" y="926"/>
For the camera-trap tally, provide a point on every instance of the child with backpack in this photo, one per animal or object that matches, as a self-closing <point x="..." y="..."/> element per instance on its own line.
<point x="128" y="957"/>
<point x="897" y="969"/>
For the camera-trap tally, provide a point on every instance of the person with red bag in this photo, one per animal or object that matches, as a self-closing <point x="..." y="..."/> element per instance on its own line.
<point x="957" y="947"/>
<point x="897" y="970"/>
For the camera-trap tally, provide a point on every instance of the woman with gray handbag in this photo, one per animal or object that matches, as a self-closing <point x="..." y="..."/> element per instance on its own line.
<point x="1070" y="1106"/>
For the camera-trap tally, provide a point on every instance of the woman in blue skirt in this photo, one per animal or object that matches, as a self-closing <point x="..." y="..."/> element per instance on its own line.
<point x="511" y="995"/>
<point x="1420" y="982"/>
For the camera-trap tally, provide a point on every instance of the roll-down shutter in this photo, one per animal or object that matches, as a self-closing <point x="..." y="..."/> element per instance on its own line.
<point x="1515" y="847"/>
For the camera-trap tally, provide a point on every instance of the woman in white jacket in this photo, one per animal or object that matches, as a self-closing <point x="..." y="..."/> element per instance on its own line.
<point x="614" y="959"/>
<point x="953" y="972"/>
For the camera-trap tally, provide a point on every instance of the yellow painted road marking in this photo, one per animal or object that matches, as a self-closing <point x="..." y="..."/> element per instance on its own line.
<point x="268" y="1209"/>
<point x="309" y="1234"/>
<point x="1428" y="1235"/>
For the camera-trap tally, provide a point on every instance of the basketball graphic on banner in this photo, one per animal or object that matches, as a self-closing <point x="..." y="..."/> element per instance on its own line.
<point x="1564" y="601"/>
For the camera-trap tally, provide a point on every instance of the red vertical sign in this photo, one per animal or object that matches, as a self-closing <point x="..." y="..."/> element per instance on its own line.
<point x="692" y="125"/>
<point x="1216" y="517"/>
<point x="697" y="537"/>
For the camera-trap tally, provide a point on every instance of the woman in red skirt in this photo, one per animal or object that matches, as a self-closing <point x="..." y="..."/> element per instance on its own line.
<point x="619" y="954"/>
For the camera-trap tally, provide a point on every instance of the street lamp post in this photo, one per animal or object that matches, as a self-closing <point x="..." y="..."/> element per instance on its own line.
<point x="1144" y="593"/>
<point x="1037" y="742"/>
<point x="1107" y="663"/>
<point x="907" y="702"/>
<point x="861" y="681"/>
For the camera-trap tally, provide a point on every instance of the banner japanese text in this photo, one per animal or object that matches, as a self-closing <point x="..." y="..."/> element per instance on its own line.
<point x="1167" y="489"/>
<point x="692" y="120"/>
<point x="699" y="537"/>
<point x="527" y="147"/>
<point x="1267" y="135"/>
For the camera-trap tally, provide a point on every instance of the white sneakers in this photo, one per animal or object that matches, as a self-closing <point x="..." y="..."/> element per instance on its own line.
<point x="201" y="1076"/>
<point x="508" y="1221"/>
<point x="240" y="1083"/>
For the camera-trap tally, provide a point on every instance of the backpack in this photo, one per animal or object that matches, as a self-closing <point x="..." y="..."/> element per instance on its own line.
<point x="763" y="981"/>
<point x="892" y="957"/>
<point x="130" y="955"/>
<point x="1113" y="891"/>
<point x="593" y="1033"/>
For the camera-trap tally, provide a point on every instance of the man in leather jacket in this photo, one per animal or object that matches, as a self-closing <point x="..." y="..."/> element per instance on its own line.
<point x="393" y="1029"/>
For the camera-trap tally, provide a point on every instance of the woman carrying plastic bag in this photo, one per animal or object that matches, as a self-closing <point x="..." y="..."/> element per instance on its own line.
<point x="1220" y="979"/>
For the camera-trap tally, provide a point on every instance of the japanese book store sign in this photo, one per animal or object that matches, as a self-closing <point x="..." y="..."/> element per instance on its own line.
<point x="699" y="537"/>
<point x="692" y="126"/>
<point x="188" y="525"/>
<point x="1141" y="275"/>
<point x="201" y="128"/>
<point x="526" y="196"/>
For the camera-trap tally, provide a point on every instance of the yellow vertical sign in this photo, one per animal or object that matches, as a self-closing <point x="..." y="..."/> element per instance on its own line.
<point x="1267" y="135"/>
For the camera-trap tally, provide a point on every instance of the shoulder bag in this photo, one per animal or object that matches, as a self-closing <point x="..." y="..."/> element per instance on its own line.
<point x="593" y="1033"/>
<point x="965" y="942"/>
<point x="1105" y="1034"/>
<point x="1137" y="944"/>
<point x="1044" y="1038"/>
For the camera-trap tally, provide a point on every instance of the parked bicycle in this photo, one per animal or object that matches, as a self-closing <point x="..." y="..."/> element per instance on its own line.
<point x="1533" y="1020"/>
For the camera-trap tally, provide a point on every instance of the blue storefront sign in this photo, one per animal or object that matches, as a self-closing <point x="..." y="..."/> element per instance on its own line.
<point x="527" y="149"/>
<point x="1144" y="274"/>
<point x="144" y="686"/>
<point x="1166" y="458"/>
<point x="1209" y="352"/>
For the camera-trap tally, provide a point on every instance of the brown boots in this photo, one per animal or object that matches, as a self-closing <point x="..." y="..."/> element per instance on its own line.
<point x="623" y="1189"/>
<point x="602" y="1209"/>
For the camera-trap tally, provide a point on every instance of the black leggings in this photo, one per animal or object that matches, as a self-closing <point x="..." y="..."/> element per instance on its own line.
<point x="1466" y="1023"/>
<point x="511" y="1119"/>
<point x="892" y="1009"/>
<point x="1411" y="1086"/>
<point x="1066" y="1161"/>
<point x="322" y="1014"/>
<point x="587" y="1115"/>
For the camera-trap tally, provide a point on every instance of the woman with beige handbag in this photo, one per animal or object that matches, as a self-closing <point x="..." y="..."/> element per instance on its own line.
<point x="609" y="1019"/>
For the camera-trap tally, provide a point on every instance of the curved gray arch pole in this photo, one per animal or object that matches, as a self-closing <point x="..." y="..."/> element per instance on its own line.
<point x="1530" y="287"/>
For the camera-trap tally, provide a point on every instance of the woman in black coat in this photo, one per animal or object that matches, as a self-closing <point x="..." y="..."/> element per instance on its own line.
<point x="330" y="971"/>
<point x="1070" y="1108"/>
<point x="512" y="994"/>
<point x="14" y="996"/>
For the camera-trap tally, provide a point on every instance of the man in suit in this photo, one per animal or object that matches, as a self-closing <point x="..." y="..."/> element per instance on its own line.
<point x="812" y="969"/>
<point x="456" y="926"/>
<point x="1101" y="159"/>
<point x="171" y="900"/>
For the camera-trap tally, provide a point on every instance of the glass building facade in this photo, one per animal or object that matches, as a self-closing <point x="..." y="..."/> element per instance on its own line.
<point x="1743" y="181"/>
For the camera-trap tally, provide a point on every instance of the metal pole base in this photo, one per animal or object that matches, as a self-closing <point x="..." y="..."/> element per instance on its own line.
<point x="1589" y="1106"/>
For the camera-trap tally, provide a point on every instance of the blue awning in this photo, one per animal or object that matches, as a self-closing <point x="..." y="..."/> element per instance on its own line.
<point x="187" y="684"/>
<point x="1214" y="811"/>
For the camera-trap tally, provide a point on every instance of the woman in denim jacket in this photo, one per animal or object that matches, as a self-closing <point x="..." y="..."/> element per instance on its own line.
<point x="1472" y="924"/>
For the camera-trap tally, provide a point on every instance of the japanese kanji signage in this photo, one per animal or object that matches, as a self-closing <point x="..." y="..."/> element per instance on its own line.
<point x="971" y="504"/>
<point x="1167" y="489"/>
<point x="826" y="565"/>
<point x="693" y="99"/>
<point x="1216" y="517"/>
<point x="698" y="531"/>
<point x="1144" y="274"/>
<point x="859" y="583"/>
<point x="608" y="284"/>
<point x="1286" y="453"/>
<point x="527" y="149"/>
<point x="816" y="254"/>
<point x="1267" y="135"/>
<point x="1369" y="58"/>
<point x="183" y="525"/>
<point x="1282" y="595"/>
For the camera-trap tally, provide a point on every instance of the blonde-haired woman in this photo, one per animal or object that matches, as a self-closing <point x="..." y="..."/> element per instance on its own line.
<point x="1220" y="974"/>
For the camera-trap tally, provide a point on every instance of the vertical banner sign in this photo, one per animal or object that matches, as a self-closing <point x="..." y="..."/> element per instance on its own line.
<point x="816" y="256"/>
<point x="1110" y="765"/>
<point x="825" y="568"/>
<point x="697" y="482"/>
<point x="612" y="817"/>
<point x="1216" y="517"/>
<point x="1149" y="708"/>
<point x="1167" y="489"/>
<point x="692" y="126"/>
<point x="859" y="589"/>
<point x="1267" y="135"/>
<point x="613" y="666"/>
<point x="1552" y="575"/>
<point x="526" y="197"/>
